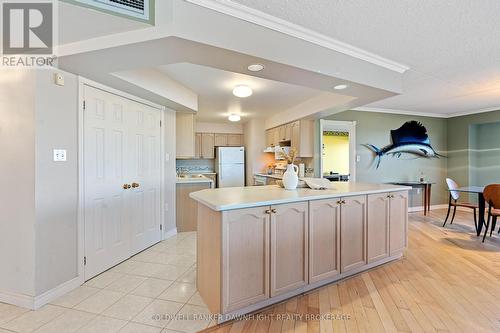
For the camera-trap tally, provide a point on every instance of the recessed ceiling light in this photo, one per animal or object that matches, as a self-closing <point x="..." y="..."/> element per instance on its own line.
<point x="242" y="91"/>
<point x="340" y="86"/>
<point x="255" y="67"/>
<point x="234" y="117"/>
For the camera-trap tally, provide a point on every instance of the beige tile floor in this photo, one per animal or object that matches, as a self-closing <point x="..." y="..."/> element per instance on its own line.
<point x="141" y="294"/>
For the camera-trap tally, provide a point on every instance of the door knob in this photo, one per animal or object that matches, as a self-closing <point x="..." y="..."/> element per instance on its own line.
<point x="135" y="185"/>
<point x="126" y="186"/>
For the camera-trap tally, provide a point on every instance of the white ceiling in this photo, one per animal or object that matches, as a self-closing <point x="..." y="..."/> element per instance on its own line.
<point x="78" y="23"/>
<point x="451" y="46"/>
<point x="215" y="99"/>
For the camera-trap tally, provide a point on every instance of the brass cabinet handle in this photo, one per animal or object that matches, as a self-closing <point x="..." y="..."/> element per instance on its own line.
<point x="339" y="202"/>
<point x="126" y="186"/>
<point x="388" y="196"/>
<point x="343" y="202"/>
<point x="273" y="211"/>
<point x="135" y="185"/>
<point x="267" y="211"/>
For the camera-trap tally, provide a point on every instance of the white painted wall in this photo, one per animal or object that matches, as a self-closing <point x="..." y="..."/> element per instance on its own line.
<point x="17" y="180"/>
<point x="206" y="127"/>
<point x="56" y="183"/>
<point x="255" y="143"/>
<point x="162" y="85"/>
<point x="39" y="203"/>
<point x="170" y="176"/>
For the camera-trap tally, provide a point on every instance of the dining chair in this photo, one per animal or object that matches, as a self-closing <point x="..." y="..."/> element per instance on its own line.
<point x="492" y="197"/>
<point x="453" y="202"/>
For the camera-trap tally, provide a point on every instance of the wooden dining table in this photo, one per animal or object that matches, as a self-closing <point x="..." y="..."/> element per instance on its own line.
<point x="480" y="201"/>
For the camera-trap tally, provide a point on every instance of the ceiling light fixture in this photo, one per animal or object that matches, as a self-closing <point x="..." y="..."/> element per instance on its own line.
<point x="234" y="117"/>
<point x="255" y="67"/>
<point x="340" y="86"/>
<point x="242" y="91"/>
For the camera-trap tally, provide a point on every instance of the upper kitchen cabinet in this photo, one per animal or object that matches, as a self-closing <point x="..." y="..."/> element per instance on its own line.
<point x="207" y="145"/>
<point x="185" y="138"/>
<point x="230" y="140"/>
<point x="285" y="132"/>
<point x="234" y="140"/>
<point x="299" y="133"/>
<point x="302" y="132"/>
<point x="220" y="140"/>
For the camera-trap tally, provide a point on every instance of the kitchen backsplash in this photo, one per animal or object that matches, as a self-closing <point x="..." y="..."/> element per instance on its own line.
<point x="195" y="165"/>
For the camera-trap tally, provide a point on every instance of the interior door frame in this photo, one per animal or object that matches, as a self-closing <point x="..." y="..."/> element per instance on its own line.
<point x="82" y="82"/>
<point x="335" y="125"/>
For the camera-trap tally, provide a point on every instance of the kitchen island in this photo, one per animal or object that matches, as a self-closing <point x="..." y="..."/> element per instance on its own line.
<point x="259" y="245"/>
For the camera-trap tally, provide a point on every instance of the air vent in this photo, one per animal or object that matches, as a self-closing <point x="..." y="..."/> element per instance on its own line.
<point x="139" y="9"/>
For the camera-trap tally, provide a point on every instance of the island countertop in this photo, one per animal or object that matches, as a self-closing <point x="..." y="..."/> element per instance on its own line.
<point x="229" y="198"/>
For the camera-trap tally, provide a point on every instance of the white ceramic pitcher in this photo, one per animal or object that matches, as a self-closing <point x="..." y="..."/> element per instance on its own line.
<point x="290" y="177"/>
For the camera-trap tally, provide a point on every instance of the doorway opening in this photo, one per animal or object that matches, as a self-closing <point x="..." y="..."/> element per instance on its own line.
<point x="338" y="143"/>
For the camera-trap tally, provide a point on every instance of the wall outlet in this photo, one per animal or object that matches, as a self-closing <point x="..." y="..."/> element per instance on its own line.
<point x="59" y="155"/>
<point x="358" y="158"/>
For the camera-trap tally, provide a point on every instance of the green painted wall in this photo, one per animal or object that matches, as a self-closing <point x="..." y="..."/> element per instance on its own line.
<point x="462" y="133"/>
<point x="484" y="154"/>
<point x="471" y="144"/>
<point x="374" y="128"/>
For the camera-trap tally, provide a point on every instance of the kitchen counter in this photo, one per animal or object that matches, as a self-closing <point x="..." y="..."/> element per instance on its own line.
<point x="193" y="179"/>
<point x="273" y="175"/>
<point x="259" y="245"/>
<point x="222" y="199"/>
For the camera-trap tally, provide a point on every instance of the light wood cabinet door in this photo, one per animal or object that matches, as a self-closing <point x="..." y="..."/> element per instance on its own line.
<point x="276" y="136"/>
<point x="324" y="239"/>
<point x="289" y="247"/>
<point x="282" y="133"/>
<point x="398" y="222"/>
<point x="234" y="140"/>
<point x="197" y="145"/>
<point x="207" y="145"/>
<point x="245" y="257"/>
<point x="186" y="208"/>
<point x="295" y="136"/>
<point x="185" y="145"/>
<point x="353" y="233"/>
<point x="220" y="140"/>
<point x="288" y="132"/>
<point x="269" y="138"/>
<point x="378" y="226"/>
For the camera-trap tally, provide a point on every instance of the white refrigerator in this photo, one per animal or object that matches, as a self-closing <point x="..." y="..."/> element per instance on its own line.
<point x="230" y="166"/>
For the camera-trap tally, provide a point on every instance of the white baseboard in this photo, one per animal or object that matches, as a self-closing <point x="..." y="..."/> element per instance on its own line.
<point x="421" y="208"/>
<point x="57" y="292"/>
<point x="24" y="301"/>
<point x="170" y="233"/>
<point x="35" y="302"/>
<point x="443" y="206"/>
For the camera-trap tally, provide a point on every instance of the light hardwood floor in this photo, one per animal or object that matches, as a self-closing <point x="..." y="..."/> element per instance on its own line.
<point x="448" y="281"/>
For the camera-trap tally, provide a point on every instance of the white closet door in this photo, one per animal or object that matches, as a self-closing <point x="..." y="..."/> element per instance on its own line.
<point x="121" y="147"/>
<point x="145" y="171"/>
<point x="107" y="238"/>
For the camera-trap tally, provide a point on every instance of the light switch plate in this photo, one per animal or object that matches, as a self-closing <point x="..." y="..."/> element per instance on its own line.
<point x="59" y="155"/>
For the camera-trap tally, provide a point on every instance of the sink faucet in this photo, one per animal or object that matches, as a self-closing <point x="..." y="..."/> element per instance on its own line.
<point x="181" y="172"/>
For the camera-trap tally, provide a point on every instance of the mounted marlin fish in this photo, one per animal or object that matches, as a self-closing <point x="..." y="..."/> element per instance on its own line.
<point x="411" y="138"/>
